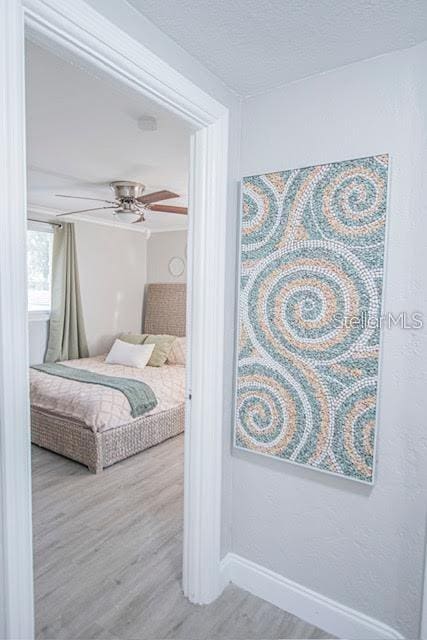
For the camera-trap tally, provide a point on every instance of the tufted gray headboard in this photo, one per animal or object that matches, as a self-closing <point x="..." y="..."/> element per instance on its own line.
<point x="165" y="309"/>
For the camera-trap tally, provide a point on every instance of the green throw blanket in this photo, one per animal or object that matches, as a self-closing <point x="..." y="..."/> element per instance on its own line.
<point x="140" y="396"/>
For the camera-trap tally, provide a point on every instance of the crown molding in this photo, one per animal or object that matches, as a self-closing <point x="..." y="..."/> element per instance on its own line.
<point x="48" y="214"/>
<point x="169" y="230"/>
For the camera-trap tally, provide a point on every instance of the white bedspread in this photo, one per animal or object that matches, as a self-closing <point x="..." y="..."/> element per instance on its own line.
<point x="101" y="408"/>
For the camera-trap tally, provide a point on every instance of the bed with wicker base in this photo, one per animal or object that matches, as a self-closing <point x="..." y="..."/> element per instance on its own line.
<point x="164" y="313"/>
<point x="99" y="450"/>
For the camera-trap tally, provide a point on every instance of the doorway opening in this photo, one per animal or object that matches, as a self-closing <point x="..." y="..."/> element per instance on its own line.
<point x="107" y="176"/>
<point x="131" y="63"/>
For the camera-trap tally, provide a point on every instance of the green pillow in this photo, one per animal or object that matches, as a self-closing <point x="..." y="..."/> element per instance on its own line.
<point x="133" y="338"/>
<point x="163" y="345"/>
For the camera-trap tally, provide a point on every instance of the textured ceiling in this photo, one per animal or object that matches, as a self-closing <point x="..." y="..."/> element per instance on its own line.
<point x="256" y="45"/>
<point x="82" y="133"/>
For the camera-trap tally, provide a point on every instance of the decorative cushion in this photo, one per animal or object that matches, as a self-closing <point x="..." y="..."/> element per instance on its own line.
<point x="162" y="346"/>
<point x="133" y="338"/>
<point x="177" y="354"/>
<point x="130" y="355"/>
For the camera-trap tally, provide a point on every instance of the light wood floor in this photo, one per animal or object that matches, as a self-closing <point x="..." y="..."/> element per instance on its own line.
<point x="108" y="557"/>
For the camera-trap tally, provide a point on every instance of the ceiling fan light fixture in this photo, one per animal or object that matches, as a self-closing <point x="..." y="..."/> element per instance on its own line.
<point x="127" y="216"/>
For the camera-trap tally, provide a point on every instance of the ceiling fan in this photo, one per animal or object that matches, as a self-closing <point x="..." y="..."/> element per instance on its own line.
<point x="129" y="204"/>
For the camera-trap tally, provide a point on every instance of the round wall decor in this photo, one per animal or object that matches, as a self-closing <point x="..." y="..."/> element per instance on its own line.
<point x="176" y="266"/>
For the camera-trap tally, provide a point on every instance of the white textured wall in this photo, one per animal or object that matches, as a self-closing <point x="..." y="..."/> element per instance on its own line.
<point x="112" y="270"/>
<point x="361" y="546"/>
<point x="161" y="247"/>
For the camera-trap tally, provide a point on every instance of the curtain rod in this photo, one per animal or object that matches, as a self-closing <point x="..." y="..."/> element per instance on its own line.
<point x="51" y="224"/>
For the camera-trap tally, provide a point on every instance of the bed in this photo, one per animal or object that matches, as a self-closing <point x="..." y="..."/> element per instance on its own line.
<point x="85" y="422"/>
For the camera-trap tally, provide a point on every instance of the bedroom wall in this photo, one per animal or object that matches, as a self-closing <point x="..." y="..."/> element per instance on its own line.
<point x="161" y="247"/>
<point x="114" y="266"/>
<point x="112" y="269"/>
<point x="361" y="546"/>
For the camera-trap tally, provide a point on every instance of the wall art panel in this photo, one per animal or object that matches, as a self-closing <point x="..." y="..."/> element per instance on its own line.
<point x="312" y="256"/>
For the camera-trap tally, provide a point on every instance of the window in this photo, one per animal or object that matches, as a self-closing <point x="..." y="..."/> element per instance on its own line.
<point x="39" y="260"/>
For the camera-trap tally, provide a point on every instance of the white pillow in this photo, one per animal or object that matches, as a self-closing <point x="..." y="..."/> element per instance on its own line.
<point x="177" y="352"/>
<point x="130" y="355"/>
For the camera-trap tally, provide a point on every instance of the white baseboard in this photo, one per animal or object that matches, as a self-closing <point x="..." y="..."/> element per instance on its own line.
<point x="327" y="614"/>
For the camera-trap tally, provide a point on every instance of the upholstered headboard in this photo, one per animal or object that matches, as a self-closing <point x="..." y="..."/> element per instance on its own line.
<point x="164" y="309"/>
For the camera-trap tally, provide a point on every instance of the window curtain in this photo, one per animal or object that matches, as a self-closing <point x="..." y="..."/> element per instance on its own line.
<point x="67" y="337"/>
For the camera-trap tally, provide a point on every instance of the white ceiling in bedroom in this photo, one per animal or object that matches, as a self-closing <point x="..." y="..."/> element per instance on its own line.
<point x="257" y="45"/>
<point x="82" y="132"/>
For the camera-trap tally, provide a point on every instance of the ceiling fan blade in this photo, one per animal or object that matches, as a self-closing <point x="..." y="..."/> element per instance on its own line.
<point x="157" y="196"/>
<point x="164" y="208"/>
<point x="70" y="213"/>
<point x="61" y="195"/>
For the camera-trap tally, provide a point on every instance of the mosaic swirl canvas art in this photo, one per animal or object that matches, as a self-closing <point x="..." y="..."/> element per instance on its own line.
<point x="312" y="258"/>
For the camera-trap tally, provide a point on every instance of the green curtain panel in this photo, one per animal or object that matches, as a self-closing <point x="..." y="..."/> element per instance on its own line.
<point x="67" y="337"/>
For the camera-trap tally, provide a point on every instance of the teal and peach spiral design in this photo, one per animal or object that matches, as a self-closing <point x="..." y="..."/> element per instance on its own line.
<point x="312" y="245"/>
<point x="293" y="301"/>
<point x="352" y="202"/>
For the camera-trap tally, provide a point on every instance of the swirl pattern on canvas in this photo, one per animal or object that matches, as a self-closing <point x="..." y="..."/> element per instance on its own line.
<point x="312" y="247"/>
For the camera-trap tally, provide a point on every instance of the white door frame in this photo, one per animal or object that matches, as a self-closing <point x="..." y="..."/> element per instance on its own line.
<point x="83" y="33"/>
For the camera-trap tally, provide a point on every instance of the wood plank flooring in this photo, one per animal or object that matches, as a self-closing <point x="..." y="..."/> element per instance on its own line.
<point x="108" y="555"/>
